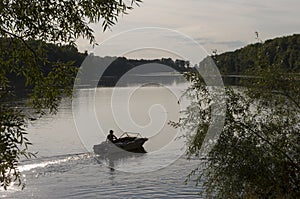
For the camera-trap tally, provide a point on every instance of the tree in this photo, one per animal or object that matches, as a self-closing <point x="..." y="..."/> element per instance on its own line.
<point x="283" y="51"/>
<point x="257" y="154"/>
<point x="25" y="26"/>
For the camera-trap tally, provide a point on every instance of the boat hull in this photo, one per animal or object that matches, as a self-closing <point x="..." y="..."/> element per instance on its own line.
<point x="133" y="145"/>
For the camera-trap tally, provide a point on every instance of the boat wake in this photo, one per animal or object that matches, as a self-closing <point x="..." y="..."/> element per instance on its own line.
<point x="43" y="166"/>
<point x="54" y="161"/>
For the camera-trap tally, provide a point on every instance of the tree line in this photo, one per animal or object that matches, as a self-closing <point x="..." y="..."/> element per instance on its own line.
<point x="69" y="54"/>
<point x="283" y="51"/>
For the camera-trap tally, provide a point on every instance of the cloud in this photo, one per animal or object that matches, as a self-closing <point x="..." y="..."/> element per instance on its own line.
<point x="218" y="24"/>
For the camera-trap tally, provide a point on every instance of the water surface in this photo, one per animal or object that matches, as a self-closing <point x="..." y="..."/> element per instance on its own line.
<point x="66" y="166"/>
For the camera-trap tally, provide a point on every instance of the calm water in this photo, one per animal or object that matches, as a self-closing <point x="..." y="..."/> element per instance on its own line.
<point x="66" y="166"/>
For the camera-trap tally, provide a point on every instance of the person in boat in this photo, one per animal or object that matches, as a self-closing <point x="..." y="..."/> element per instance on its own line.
<point x="111" y="137"/>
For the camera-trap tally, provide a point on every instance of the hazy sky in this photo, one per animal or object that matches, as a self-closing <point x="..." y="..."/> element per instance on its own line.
<point x="215" y="24"/>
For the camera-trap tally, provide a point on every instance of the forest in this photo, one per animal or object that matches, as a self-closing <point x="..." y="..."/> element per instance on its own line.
<point x="69" y="54"/>
<point x="283" y="51"/>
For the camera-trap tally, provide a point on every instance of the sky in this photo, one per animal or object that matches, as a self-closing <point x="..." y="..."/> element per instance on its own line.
<point x="224" y="25"/>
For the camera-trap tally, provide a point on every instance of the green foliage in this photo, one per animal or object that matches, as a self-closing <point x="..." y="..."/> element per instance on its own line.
<point x="58" y="21"/>
<point x="27" y="61"/>
<point x="284" y="51"/>
<point x="258" y="153"/>
<point x="13" y="144"/>
<point x="122" y="65"/>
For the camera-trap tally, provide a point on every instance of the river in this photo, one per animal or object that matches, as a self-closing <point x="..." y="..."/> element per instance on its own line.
<point x="66" y="167"/>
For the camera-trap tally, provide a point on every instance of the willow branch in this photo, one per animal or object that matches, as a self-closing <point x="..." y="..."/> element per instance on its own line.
<point x="21" y="39"/>
<point x="272" y="145"/>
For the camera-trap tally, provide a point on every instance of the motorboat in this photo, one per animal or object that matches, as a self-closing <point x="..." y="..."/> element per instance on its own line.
<point x="128" y="142"/>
